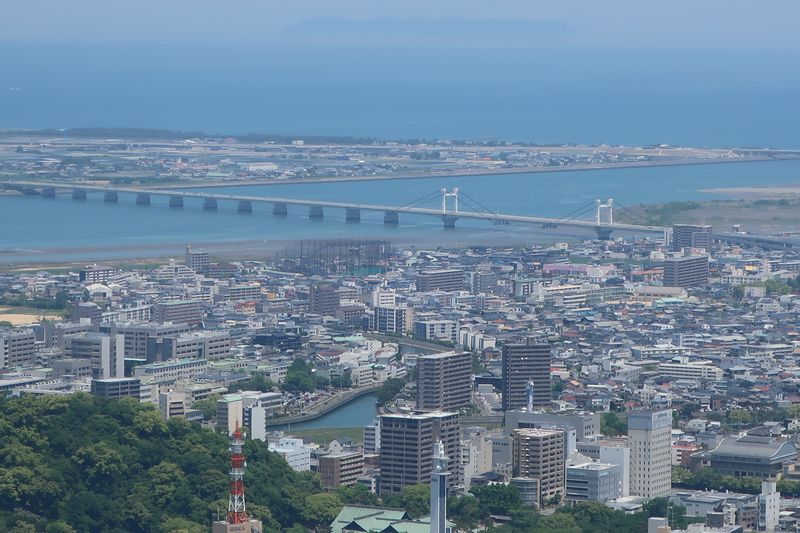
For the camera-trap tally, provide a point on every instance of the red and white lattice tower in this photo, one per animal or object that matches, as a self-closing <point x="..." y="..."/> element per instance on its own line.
<point x="237" y="513"/>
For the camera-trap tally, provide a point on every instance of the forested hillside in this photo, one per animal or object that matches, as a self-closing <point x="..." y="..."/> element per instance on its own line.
<point x="84" y="464"/>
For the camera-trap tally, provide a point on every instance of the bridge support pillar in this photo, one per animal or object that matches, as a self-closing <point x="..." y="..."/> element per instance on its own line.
<point x="176" y="201"/>
<point x="449" y="221"/>
<point x="391" y="217"/>
<point x="209" y="204"/>
<point x="78" y="194"/>
<point x="603" y="234"/>
<point x="245" y="206"/>
<point x="316" y="211"/>
<point x="352" y="215"/>
<point x="110" y="197"/>
<point x="142" y="199"/>
<point x="280" y="210"/>
<point x="49" y="192"/>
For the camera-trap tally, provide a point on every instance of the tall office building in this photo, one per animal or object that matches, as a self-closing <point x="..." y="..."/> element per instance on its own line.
<point x="524" y="363"/>
<point x="407" y="442"/>
<point x="649" y="434"/>
<point x="541" y="454"/>
<point x="323" y="300"/>
<point x="687" y="271"/>
<point x="690" y="236"/>
<point x="444" y="381"/>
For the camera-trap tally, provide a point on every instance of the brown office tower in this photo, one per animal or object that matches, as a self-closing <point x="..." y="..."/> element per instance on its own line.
<point x="541" y="454"/>
<point x="444" y="381"/>
<point x="526" y="363"/>
<point x="407" y="442"/>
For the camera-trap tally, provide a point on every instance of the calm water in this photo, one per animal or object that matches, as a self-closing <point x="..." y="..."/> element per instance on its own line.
<point x="41" y="229"/>
<point x="635" y="97"/>
<point x="360" y="412"/>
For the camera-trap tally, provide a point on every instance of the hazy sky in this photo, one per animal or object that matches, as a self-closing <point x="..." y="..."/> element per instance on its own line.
<point x="719" y="24"/>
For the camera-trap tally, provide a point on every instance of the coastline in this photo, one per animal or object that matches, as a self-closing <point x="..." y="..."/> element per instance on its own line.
<point x="476" y="172"/>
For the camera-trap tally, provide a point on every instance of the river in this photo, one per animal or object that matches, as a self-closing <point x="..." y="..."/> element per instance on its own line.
<point x="360" y="412"/>
<point x="36" y="229"/>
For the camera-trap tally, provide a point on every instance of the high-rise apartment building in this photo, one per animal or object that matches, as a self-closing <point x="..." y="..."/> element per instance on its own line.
<point x="542" y="454"/>
<point x="526" y="363"/>
<point x="397" y="319"/>
<point x="323" y="300"/>
<point x="197" y="260"/>
<point x="340" y="469"/>
<point x="690" y="236"/>
<point x="407" y="442"/>
<point x="687" y="271"/>
<point x="649" y="438"/>
<point x="444" y="381"/>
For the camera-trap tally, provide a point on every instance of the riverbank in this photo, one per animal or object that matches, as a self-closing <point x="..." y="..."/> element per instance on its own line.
<point x="756" y="215"/>
<point x="321" y="409"/>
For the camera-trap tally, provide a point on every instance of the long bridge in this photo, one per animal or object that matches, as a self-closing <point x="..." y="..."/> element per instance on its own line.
<point x="602" y="213"/>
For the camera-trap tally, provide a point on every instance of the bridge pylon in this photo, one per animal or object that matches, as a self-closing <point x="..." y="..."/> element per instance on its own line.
<point x="449" y="217"/>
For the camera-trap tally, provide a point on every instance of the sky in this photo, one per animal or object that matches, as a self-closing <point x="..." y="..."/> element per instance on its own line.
<point x="675" y="24"/>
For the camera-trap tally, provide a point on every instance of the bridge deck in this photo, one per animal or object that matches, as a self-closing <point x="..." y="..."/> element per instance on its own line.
<point x="522" y="219"/>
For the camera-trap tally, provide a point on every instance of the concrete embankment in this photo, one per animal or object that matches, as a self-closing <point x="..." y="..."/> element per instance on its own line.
<point x="324" y="407"/>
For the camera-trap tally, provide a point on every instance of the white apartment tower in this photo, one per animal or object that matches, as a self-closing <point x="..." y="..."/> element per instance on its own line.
<point x="650" y="442"/>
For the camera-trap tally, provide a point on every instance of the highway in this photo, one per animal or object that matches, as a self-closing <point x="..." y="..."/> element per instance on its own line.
<point x="316" y="207"/>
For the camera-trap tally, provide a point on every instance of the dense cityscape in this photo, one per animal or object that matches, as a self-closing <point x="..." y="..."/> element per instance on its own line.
<point x="619" y="378"/>
<point x="399" y="267"/>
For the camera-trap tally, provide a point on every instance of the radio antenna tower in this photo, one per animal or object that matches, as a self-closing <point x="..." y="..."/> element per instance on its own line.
<point x="237" y="511"/>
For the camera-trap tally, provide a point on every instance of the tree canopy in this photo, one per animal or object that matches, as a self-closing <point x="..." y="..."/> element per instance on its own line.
<point x="81" y="464"/>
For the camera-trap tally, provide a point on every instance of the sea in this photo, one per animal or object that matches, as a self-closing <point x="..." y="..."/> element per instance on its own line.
<point x="633" y="97"/>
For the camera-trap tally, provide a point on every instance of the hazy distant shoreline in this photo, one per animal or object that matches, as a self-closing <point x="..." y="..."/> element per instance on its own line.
<point x="476" y="172"/>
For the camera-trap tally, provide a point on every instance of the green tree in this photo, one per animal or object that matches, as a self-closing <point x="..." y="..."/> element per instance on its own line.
<point x="415" y="499"/>
<point x="497" y="499"/>
<point x="208" y="406"/>
<point x="299" y="377"/>
<point x="321" y="509"/>
<point x="465" y="511"/>
<point x="357" y="494"/>
<point x="557" y="523"/>
<point x="611" y="424"/>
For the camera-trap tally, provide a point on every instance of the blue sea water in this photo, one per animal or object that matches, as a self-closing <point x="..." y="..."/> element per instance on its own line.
<point x="633" y="97"/>
<point x="682" y="97"/>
